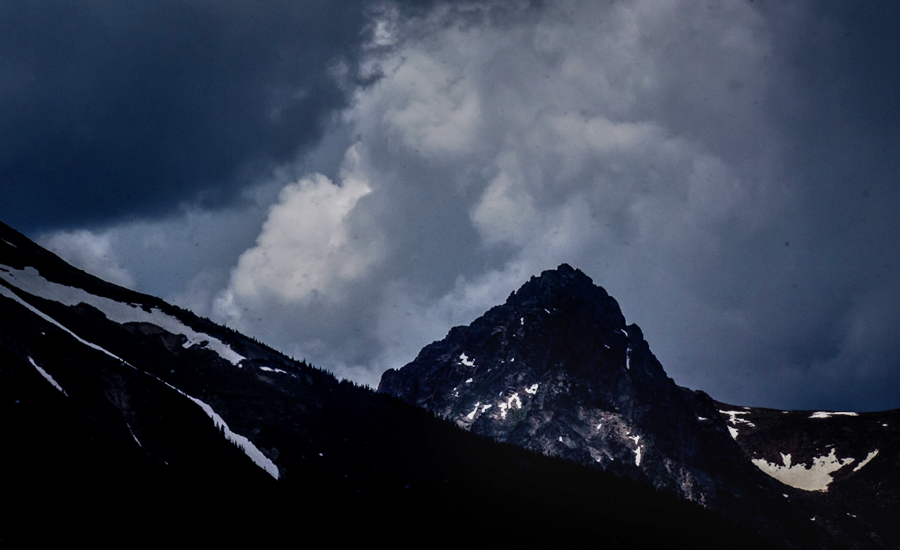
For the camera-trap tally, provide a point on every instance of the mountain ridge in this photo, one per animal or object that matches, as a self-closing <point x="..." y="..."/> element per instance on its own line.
<point x="109" y="392"/>
<point x="116" y="398"/>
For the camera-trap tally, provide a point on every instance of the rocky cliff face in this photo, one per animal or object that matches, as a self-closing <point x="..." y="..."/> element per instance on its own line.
<point x="556" y="369"/>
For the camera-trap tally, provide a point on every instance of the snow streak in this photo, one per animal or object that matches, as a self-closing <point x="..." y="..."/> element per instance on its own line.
<point x="868" y="458"/>
<point x="10" y="294"/>
<point x="823" y="414"/>
<point x="47" y="376"/>
<point x="242" y="442"/>
<point x="30" y="281"/>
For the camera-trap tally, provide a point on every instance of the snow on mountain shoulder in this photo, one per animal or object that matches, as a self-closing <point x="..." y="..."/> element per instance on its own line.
<point x="30" y="281"/>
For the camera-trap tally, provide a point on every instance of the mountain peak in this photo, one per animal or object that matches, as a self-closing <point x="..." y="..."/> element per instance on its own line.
<point x="557" y="369"/>
<point x="554" y="283"/>
<point x="557" y="324"/>
<point x="573" y="294"/>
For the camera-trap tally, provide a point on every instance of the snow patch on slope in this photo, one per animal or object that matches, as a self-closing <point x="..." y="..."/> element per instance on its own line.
<point x="11" y="295"/>
<point x="242" y="442"/>
<point x="270" y="369"/>
<point x="508" y="405"/>
<point x="865" y="461"/>
<point x="637" y="451"/>
<point x="733" y="419"/>
<point x="815" y="477"/>
<point x="823" y="414"/>
<point x="30" y="281"/>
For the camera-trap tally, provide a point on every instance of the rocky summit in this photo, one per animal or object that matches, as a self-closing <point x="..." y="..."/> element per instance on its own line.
<point x="556" y="369"/>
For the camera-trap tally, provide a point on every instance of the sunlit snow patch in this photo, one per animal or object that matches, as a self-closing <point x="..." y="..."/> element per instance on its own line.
<point x="508" y="405"/>
<point x="471" y="415"/>
<point x="532" y="390"/>
<point x="865" y="461"/>
<point x="733" y="419"/>
<point x="270" y="369"/>
<point x="637" y="452"/>
<point x="823" y="414"/>
<point x="30" y="281"/>
<point x="814" y="477"/>
<point x="464" y="359"/>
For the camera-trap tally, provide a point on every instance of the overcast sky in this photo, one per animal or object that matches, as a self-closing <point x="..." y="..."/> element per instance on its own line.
<point x="348" y="180"/>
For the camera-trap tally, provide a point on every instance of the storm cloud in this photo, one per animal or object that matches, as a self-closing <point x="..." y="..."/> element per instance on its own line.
<point x="727" y="171"/>
<point x="113" y="110"/>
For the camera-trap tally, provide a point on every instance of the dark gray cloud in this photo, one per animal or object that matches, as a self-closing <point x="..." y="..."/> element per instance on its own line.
<point x="728" y="171"/>
<point x="115" y="109"/>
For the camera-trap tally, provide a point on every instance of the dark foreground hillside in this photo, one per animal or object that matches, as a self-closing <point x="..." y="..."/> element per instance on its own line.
<point x="369" y="468"/>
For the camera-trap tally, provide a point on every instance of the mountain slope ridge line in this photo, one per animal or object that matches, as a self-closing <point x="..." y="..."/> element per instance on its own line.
<point x="562" y="366"/>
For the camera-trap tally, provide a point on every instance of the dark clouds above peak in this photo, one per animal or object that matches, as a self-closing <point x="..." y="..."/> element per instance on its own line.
<point x="726" y="170"/>
<point x="119" y="109"/>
